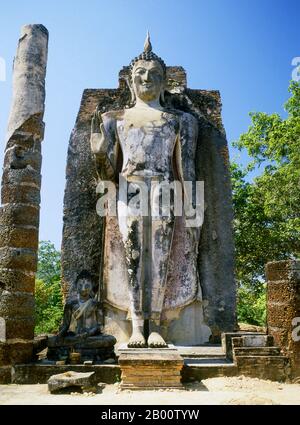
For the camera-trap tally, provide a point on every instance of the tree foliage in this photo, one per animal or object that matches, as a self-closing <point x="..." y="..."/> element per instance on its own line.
<point x="48" y="296"/>
<point x="49" y="263"/>
<point x="267" y="209"/>
<point x="48" y="306"/>
<point x="251" y="306"/>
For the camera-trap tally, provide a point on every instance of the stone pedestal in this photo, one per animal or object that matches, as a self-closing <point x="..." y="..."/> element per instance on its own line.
<point x="283" y="309"/>
<point x="95" y="348"/>
<point x="150" y="368"/>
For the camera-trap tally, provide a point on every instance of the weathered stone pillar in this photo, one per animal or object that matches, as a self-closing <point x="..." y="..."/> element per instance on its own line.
<point x="283" y="308"/>
<point x="20" y="197"/>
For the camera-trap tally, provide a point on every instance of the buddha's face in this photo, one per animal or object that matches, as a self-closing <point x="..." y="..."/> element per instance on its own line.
<point x="84" y="287"/>
<point x="147" y="80"/>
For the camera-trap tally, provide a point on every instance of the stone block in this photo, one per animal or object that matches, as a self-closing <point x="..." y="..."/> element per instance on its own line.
<point x="5" y="375"/>
<point x="237" y="342"/>
<point x="19" y="215"/>
<point x="24" y="169"/>
<point x="280" y="314"/>
<point x="16" y="352"/>
<point x="4" y="358"/>
<point x="19" y="237"/>
<point x="280" y="336"/>
<point x="20" y="195"/>
<point x="20" y="328"/>
<point x="85" y="381"/>
<point x="280" y="290"/>
<point x="282" y="270"/>
<point x="198" y="372"/>
<point x="256" y="341"/>
<point x="150" y="368"/>
<point x="16" y="281"/>
<point x="256" y="351"/>
<point x="18" y="258"/>
<point x="273" y="368"/>
<point x="17" y="305"/>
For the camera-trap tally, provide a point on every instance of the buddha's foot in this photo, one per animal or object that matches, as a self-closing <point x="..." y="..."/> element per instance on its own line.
<point x="137" y="340"/>
<point x="156" y="341"/>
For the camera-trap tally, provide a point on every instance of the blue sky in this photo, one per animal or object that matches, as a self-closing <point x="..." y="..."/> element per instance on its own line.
<point x="242" y="48"/>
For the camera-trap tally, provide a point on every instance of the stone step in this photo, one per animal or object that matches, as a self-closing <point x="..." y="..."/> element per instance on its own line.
<point x="206" y="360"/>
<point x="253" y="341"/>
<point x="188" y="352"/>
<point x="256" y="351"/>
<point x="263" y="358"/>
<point x="201" y="351"/>
<point x="203" y="370"/>
<point x="234" y="339"/>
<point x="273" y="368"/>
<point x="257" y="340"/>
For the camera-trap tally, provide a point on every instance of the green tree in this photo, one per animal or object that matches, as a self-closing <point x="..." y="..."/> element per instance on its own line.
<point x="48" y="296"/>
<point x="48" y="306"/>
<point x="267" y="209"/>
<point x="49" y="263"/>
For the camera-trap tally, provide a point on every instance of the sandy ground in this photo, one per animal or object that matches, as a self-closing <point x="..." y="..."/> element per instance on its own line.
<point x="236" y="390"/>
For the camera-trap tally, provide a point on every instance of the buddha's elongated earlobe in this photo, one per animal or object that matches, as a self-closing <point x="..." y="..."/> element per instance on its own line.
<point x="162" y="97"/>
<point x="132" y="93"/>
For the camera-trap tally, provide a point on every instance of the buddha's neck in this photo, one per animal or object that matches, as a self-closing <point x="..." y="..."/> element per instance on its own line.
<point x="152" y="104"/>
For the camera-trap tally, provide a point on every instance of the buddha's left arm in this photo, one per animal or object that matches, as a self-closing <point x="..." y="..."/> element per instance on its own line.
<point x="185" y="150"/>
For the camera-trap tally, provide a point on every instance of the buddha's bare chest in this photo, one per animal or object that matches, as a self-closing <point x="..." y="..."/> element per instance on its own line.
<point x="140" y="137"/>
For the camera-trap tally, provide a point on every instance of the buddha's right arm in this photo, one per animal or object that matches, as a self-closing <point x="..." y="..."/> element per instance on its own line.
<point x="103" y="164"/>
<point x="99" y="142"/>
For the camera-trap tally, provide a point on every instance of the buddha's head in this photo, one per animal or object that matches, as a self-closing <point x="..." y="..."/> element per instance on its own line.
<point x="84" y="285"/>
<point x="148" y="75"/>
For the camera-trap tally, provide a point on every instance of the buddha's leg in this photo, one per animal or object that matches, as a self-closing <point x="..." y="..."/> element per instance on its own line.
<point x="161" y="243"/>
<point x="131" y="228"/>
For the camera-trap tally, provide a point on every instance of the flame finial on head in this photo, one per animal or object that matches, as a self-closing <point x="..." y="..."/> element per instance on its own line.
<point x="148" y="55"/>
<point x="147" y="44"/>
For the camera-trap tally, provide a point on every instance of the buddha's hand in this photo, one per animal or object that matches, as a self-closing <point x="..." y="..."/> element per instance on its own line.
<point x="99" y="143"/>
